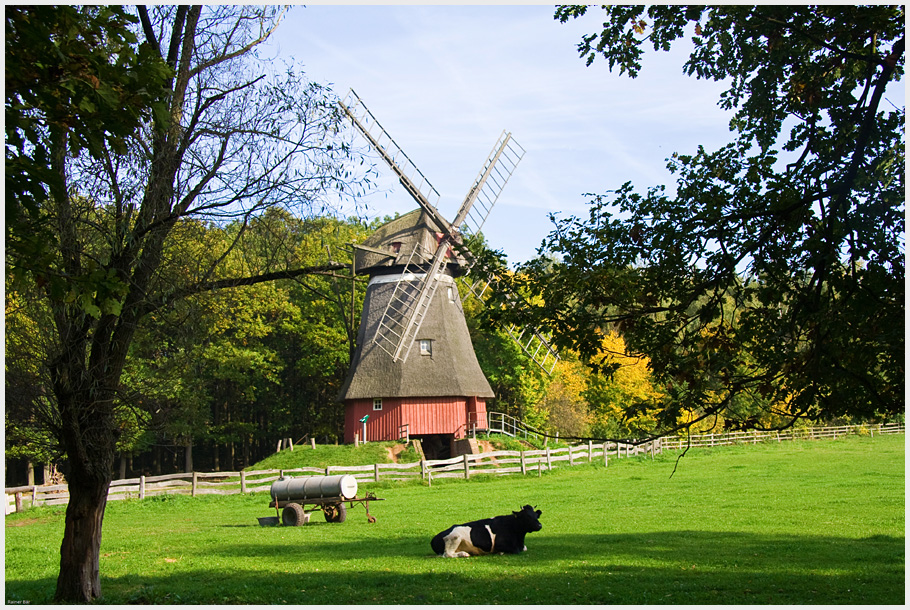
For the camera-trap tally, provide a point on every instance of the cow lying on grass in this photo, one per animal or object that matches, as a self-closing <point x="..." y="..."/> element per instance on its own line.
<point x="504" y="534"/>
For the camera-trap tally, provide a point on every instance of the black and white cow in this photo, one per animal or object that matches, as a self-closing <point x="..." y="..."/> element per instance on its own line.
<point x="504" y="534"/>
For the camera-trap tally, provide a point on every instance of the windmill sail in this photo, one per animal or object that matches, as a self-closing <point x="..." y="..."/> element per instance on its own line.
<point x="400" y="323"/>
<point x="534" y="343"/>
<point x="489" y="184"/>
<point x="410" y="177"/>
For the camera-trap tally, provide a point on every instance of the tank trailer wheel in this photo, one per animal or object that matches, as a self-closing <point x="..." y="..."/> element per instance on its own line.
<point x="335" y="513"/>
<point x="293" y="515"/>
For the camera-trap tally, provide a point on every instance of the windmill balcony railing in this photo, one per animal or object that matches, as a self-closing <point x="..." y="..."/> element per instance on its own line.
<point x="510" y="426"/>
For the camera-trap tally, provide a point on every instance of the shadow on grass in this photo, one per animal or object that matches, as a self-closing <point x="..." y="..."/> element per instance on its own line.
<point x="661" y="567"/>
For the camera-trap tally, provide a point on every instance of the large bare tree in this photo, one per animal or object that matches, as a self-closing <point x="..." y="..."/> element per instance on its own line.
<point x="228" y="137"/>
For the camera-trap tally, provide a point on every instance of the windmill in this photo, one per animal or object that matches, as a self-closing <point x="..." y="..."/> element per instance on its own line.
<point x="438" y="394"/>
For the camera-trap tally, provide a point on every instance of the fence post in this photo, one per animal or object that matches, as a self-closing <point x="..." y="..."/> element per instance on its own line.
<point x="590" y="451"/>
<point x="142" y="487"/>
<point x="313" y="442"/>
<point x="376" y="472"/>
<point x="18" y="501"/>
<point x="195" y="481"/>
<point x="606" y="456"/>
<point x="34" y="495"/>
<point x="328" y="469"/>
<point x="549" y="464"/>
<point x="467" y="472"/>
<point x="423" y="469"/>
<point x="524" y="469"/>
<point x="242" y="482"/>
<point x="571" y="457"/>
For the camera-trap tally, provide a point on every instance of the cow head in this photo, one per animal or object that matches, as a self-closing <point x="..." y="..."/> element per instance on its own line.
<point x="528" y="518"/>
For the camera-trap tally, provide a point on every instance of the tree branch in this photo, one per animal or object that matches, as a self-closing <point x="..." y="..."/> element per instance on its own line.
<point x="147" y="28"/>
<point x="245" y="49"/>
<point x="213" y="285"/>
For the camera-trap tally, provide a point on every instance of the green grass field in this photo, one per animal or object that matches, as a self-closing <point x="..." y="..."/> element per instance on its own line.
<point x="815" y="522"/>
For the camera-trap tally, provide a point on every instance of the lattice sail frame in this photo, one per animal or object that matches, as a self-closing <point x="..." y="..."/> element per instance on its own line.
<point x="400" y="323"/>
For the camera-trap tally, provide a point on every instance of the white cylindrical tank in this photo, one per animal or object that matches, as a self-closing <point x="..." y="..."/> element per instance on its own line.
<point x="307" y="488"/>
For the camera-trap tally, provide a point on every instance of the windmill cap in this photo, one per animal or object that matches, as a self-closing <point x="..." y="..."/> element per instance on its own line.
<point x="391" y="245"/>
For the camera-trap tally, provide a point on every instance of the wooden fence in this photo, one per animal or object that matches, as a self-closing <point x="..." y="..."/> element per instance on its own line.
<point x="464" y="466"/>
<point x="226" y="483"/>
<point x="793" y="434"/>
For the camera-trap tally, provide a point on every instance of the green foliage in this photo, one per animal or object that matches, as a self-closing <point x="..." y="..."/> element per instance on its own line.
<point x="817" y="522"/>
<point x="770" y="285"/>
<point x="77" y="80"/>
<point x="256" y="363"/>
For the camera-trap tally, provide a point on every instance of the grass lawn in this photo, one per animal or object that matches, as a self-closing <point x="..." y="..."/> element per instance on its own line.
<point x="335" y="455"/>
<point x="810" y="522"/>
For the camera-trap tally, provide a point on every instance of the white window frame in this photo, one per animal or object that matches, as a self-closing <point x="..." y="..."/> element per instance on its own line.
<point x="377" y="404"/>
<point x="426" y="347"/>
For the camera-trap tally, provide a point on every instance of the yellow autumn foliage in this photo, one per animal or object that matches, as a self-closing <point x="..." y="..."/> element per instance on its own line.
<point x="621" y="405"/>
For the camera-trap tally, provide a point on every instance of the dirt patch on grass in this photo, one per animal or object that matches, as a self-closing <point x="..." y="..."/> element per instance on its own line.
<point x="394" y="451"/>
<point x="485" y="446"/>
<point x="30" y="521"/>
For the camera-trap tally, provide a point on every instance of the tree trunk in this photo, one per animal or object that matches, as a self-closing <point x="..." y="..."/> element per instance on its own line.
<point x="188" y="456"/>
<point x="88" y="435"/>
<point x="122" y="465"/>
<point x="79" y="579"/>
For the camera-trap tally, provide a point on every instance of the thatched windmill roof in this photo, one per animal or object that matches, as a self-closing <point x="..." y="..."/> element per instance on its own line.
<point x="451" y="369"/>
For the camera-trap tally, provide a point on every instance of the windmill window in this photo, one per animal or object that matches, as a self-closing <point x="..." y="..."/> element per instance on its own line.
<point x="377" y="404"/>
<point x="451" y="292"/>
<point x="426" y="347"/>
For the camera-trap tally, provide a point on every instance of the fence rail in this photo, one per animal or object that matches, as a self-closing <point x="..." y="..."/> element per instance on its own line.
<point x="464" y="466"/>
<point x="755" y="436"/>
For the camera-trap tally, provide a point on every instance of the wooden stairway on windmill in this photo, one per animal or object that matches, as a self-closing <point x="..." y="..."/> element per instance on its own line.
<point x="400" y="323"/>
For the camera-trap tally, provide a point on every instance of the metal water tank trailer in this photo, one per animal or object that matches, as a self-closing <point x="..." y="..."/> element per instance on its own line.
<point x="311" y="488"/>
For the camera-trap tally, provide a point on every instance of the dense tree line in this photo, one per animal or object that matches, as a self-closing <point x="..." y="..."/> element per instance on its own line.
<point x="213" y="382"/>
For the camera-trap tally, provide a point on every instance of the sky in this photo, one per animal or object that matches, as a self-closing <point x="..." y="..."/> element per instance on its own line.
<point x="445" y="81"/>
